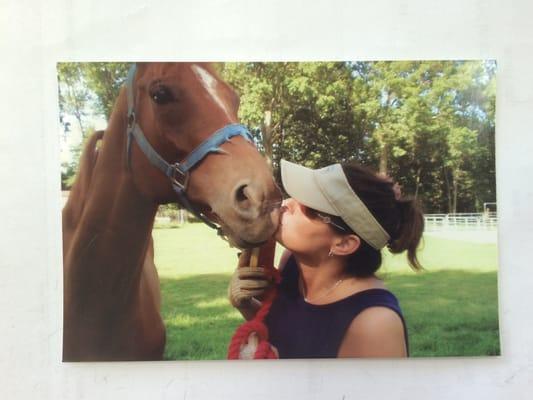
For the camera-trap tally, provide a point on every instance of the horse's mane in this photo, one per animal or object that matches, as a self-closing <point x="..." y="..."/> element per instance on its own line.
<point x="80" y="188"/>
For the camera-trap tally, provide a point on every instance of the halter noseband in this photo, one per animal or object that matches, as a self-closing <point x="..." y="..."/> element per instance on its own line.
<point x="178" y="172"/>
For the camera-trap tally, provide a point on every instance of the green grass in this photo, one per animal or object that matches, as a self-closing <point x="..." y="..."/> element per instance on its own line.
<point x="198" y="317"/>
<point x="437" y="254"/>
<point x="451" y="308"/>
<point x="449" y="313"/>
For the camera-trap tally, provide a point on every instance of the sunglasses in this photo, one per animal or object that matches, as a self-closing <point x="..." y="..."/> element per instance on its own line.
<point x="335" y="221"/>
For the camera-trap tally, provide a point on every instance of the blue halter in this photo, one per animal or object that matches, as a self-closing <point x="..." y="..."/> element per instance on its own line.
<point x="178" y="172"/>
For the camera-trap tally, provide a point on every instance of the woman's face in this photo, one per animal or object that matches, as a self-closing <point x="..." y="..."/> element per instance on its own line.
<point x="301" y="232"/>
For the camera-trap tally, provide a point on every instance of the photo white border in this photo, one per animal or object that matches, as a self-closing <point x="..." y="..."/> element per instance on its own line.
<point x="34" y="35"/>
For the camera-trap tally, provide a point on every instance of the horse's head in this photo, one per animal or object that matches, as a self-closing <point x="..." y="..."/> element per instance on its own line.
<point x="180" y="105"/>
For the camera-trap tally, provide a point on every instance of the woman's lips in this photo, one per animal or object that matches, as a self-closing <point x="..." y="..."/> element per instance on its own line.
<point x="282" y="211"/>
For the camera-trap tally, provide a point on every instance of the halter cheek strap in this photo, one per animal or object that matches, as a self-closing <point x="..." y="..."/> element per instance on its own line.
<point x="178" y="172"/>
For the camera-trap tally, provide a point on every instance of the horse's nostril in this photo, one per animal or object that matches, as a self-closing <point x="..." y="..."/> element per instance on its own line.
<point x="240" y="194"/>
<point x="248" y="199"/>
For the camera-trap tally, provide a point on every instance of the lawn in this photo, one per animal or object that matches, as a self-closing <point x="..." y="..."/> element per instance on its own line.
<point x="451" y="308"/>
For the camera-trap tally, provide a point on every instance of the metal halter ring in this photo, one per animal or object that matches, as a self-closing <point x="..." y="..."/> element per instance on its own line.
<point x="131" y="119"/>
<point x="174" y="178"/>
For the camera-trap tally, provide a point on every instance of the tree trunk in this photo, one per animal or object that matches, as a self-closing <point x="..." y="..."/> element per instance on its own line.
<point x="281" y="152"/>
<point x="417" y="180"/>
<point x="77" y="114"/>
<point x="268" y="136"/>
<point x="383" y="158"/>
<point x="455" y="190"/>
<point x="448" y="190"/>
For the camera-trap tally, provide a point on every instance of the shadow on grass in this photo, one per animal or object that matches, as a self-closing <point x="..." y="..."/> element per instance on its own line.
<point x="448" y="313"/>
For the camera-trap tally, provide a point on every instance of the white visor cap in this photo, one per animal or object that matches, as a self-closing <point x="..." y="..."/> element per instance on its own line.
<point x="327" y="190"/>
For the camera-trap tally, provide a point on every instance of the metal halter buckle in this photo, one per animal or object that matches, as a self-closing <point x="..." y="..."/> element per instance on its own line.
<point x="174" y="178"/>
<point x="131" y="119"/>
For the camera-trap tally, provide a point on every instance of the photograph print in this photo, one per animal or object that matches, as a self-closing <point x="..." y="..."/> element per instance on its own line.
<point x="278" y="210"/>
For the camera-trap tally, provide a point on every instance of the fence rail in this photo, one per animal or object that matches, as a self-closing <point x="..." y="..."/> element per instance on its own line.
<point x="433" y="222"/>
<point x="470" y="221"/>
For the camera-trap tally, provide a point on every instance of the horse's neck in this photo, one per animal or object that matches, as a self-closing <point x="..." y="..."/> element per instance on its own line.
<point x="109" y="239"/>
<point x="114" y="202"/>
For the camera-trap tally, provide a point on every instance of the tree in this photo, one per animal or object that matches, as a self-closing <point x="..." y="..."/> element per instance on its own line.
<point x="73" y="93"/>
<point x="105" y="80"/>
<point x="86" y="91"/>
<point x="300" y="111"/>
<point x="429" y="124"/>
<point x="423" y="118"/>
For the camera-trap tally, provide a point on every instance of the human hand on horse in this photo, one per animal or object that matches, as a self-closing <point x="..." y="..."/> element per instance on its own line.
<point x="248" y="283"/>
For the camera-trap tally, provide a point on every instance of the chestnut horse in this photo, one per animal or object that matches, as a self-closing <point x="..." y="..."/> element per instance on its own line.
<point x="167" y="113"/>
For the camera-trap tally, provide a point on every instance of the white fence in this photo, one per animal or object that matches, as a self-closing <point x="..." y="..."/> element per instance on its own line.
<point x="461" y="221"/>
<point x="433" y="222"/>
<point x="179" y="216"/>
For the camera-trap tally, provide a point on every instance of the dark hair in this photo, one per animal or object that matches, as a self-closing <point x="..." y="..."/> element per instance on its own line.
<point x="402" y="218"/>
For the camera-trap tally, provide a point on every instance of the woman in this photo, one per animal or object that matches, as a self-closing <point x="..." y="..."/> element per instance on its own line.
<point x="330" y="302"/>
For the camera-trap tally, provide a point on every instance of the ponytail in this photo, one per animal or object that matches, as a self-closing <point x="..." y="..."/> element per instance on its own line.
<point x="401" y="217"/>
<point x="409" y="231"/>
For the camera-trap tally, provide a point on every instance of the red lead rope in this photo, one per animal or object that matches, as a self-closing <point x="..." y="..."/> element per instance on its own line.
<point x="257" y="325"/>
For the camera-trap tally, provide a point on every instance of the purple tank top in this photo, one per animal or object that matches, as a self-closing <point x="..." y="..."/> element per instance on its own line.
<point x="302" y="330"/>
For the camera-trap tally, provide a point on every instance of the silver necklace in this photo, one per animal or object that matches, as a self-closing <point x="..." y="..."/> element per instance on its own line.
<point x="306" y="299"/>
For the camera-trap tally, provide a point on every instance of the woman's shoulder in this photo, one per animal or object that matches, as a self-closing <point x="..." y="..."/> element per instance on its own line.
<point x="377" y="331"/>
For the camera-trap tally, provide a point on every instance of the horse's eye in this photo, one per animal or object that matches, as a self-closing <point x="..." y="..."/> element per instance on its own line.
<point x="161" y="94"/>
